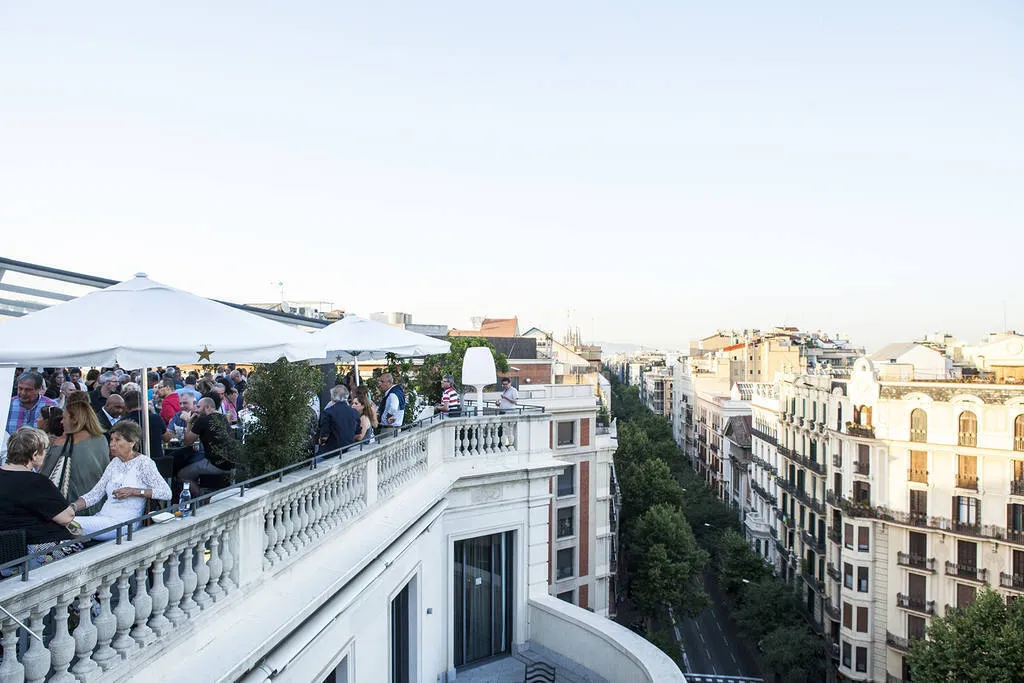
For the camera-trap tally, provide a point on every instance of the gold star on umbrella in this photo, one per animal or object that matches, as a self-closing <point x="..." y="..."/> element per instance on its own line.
<point x="205" y="353"/>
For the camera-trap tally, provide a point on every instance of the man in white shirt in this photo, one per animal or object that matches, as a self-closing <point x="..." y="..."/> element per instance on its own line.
<point x="509" y="396"/>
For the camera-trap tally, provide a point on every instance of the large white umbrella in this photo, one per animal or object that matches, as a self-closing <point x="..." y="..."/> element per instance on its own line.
<point x="352" y="339"/>
<point x="140" y="323"/>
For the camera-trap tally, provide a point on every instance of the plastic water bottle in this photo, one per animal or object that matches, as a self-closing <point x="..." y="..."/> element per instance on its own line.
<point x="184" y="502"/>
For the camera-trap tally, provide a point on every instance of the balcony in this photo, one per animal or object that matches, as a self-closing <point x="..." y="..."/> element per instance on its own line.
<point x="860" y="431"/>
<point x="833" y="572"/>
<point x="1011" y="581"/>
<point x="915" y="604"/>
<point x="917" y="476"/>
<point x="967" y="571"/>
<point x="837" y="460"/>
<point x="1017" y="487"/>
<point x="243" y="582"/>
<point x="759" y="490"/>
<point x="813" y="581"/>
<point x="764" y="436"/>
<point x="818" y="544"/>
<point x="862" y="467"/>
<point x="600" y="644"/>
<point x="897" y="642"/>
<point x="832" y="612"/>
<point x="916" y="562"/>
<point x="967" y="481"/>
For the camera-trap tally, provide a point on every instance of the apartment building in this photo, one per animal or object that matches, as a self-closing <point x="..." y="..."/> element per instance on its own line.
<point x="656" y="390"/>
<point x="761" y="520"/>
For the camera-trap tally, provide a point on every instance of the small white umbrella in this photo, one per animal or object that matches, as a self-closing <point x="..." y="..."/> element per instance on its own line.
<point x="353" y="339"/>
<point x="140" y="323"/>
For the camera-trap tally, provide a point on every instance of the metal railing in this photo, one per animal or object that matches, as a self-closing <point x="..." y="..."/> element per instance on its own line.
<point x="1017" y="487"/>
<point x="917" y="476"/>
<point x="898" y="642"/>
<point x="967" y="571"/>
<point x="915" y="603"/>
<point x="860" y="431"/>
<point x="967" y="481"/>
<point x="915" y="561"/>
<point x="1013" y="581"/>
<point x="862" y="467"/>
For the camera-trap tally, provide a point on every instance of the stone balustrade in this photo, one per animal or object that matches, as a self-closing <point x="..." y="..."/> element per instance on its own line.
<point x="101" y="614"/>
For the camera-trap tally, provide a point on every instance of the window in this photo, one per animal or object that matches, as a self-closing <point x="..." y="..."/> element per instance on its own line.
<point x="848" y="575"/>
<point x="918" y="425"/>
<point x="968" y="435"/>
<point x="1015" y="517"/>
<point x="565" y="522"/>
<point x="918" y="546"/>
<point x="564" y="563"/>
<point x="847" y="615"/>
<point x="567" y="481"/>
<point x="965" y="595"/>
<point x="915" y="626"/>
<point x="863" y="534"/>
<point x="967" y="472"/>
<point x="967" y="510"/>
<point x="848" y="536"/>
<point x="862" y="659"/>
<point x="918" y="505"/>
<point x="918" y="467"/>
<point x="567" y="596"/>
<point x="846" y="654"/>
<point x="1018" y="433"/>
<point x="862" y="579"/>
<point x="862" y="619"/>
<point x="566" y="433"/>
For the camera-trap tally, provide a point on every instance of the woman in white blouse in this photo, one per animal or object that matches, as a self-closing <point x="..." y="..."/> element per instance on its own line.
<point x="128" y="481"/>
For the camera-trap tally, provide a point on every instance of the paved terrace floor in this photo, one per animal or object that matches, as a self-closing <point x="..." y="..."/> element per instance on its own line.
<point x="512" y="669"/>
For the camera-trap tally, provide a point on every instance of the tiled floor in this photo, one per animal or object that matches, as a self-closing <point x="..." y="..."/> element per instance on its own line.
<point x="503" y="670"/>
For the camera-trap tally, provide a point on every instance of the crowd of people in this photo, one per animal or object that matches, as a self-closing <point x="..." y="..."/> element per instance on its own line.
<point x="78" y="440"/>
<point x="77" y="461"/>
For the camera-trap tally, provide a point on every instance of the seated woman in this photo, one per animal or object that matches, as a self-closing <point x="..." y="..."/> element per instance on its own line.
<point x="78" y="464"/>
<point x="129" y="480"/>
<point x="30" y="501"/>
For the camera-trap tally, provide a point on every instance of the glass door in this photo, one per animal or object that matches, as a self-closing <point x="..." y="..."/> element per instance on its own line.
<point x="483" y="597"/>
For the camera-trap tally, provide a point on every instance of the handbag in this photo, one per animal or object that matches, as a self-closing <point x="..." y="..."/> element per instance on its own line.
<point x="61" y="474"/>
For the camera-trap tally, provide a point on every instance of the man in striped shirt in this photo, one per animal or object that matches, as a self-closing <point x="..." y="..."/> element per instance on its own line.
<point x="450" y="404"/>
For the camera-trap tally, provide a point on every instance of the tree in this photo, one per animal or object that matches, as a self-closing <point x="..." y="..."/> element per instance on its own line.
<point x="795" y="654"/>
<point x="667" y="561"/>
<point x="981" y="642"/>
<point x="765" y="606"/>
<point x="279" y="395"/>
<point x="737" y="563"/>
<point x="435" y="367"/>
<point x="644" y="485"/>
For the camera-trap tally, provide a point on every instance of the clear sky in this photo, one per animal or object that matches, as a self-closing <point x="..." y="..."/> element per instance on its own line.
<point x="660" y="169"/>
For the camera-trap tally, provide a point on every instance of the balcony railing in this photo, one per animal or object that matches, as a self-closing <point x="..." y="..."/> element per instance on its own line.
<point x="814" y="582"/>
<point x="967" y="481"/>
<point x="837" y="460"/>
<point x="862" y="467"/>
<point x="159" y="588"/>
<point x="916" y="604"/>
<point x="860" y="431"/>
<point x="1013" y="581"/>
<point x="917" y="476"/>
<point x="759" y="490"/>
<point x="916" y="561"/>
<point x="817" y="543"/>
<point x="967" y="571"/>
<point x="833" y="572"/>
<point x="832" y="611"/>
<point x="764" y="436"/>
<point x="806" y="461"/>
<point x="898" y="642"/>
<point x="835" y="535"/>
<point x="1017" y="487"/>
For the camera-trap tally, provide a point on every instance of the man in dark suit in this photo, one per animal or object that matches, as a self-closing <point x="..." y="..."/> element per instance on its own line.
<point x="339" y="425"/>
<point x="111" y="412"/>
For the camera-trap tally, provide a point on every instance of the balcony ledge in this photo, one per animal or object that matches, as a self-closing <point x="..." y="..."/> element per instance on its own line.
<point x="563" y="632"/>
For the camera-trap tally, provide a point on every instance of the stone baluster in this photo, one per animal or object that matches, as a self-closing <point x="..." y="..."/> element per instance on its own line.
<point x="216" y="567"/>
<point x="11" y="670"/>
<point x="36" y="659"/>
<point x="141" y="632"/>
<point x="318" y="512"/>
<point x="359" y="490"/>
<point x="269" y="540"/>
<point x="106" y="626"/>
<point x="302" y="536"/>
<point x="329" y="508"/>
<point x="279" y="550"/>
<point x="188" y="581"/>
<point x="202" y="598"/>
<point x="62" y="645"/>
<point x="85" y="669"/>
<point x="343" y="497"/>
<point x="227" y="558"/>
<point x="474" y="439"/>
<point x="123" y="644"/>
<point x="175" y="589"/>
<point x="287" y="546"/>
<point x="160" y="597"/>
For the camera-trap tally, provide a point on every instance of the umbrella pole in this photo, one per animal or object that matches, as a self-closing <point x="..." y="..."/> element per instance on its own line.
<point x="145" y="413"/>
<point x="355" y="364"/>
